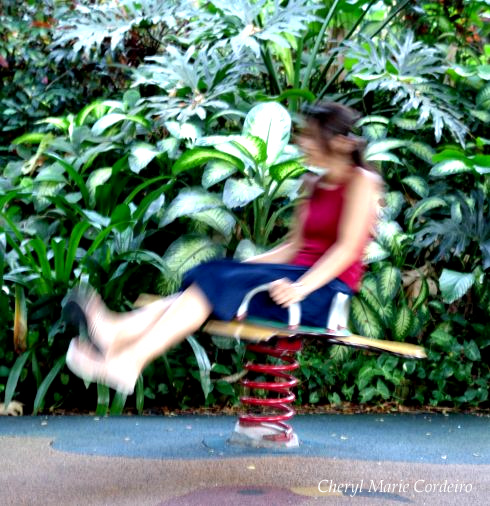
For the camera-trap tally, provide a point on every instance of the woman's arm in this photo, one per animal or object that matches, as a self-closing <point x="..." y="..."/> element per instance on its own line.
<point x="354" y="228"/>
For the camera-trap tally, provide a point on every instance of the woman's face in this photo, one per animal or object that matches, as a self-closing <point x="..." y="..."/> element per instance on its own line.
<point x="317" y="151"/>
<point x="310" y="143"/>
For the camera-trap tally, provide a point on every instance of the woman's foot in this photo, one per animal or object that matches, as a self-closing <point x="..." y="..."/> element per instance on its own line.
<point x="85" y="361"/>
<point x="85" y="308"/>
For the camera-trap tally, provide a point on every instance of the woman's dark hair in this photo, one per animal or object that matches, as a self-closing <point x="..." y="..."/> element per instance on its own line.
<point x="333" y="119"/>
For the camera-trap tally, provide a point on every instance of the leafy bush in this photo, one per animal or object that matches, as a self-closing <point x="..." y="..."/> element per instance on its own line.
<point x="140" y="139"/>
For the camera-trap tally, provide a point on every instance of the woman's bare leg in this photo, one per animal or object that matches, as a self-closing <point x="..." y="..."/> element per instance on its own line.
<point x="184" y="315"/>
<point x="111" y="330"/>
<point x="121" y="368"/>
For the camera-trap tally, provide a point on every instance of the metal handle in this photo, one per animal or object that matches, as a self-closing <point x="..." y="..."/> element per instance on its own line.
<point x="294" y="310"/>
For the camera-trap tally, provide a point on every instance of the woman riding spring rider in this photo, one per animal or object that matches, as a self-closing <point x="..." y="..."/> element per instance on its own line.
<point x="322" y="255"/>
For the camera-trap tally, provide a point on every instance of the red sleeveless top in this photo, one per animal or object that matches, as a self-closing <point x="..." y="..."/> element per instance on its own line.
<point x="320" y="220"/>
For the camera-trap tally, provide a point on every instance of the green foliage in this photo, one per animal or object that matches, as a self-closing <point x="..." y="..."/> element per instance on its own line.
<point x="411" y="73"/>
<point x="252" y="172"/>
<point x="142" y="138"/>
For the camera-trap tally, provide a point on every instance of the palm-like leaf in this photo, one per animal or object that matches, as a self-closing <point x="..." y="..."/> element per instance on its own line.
<point x="412" y="73"/>
<point x="192" y="82"/>
<point x="468" y="223"/>
<point x="88" y="26"/>
<point x="242" y="24"/>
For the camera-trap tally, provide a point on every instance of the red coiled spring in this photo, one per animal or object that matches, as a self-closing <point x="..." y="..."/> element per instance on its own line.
<point x="285" y="350"/>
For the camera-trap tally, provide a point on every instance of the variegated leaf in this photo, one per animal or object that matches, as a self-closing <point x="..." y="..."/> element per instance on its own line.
<point x="365" y="320"/>
<point x="402" y="323"/>
<point x="97" y="178"/>
<point x="374" y="252"/>
<point x="240" y="192"/>
<point x="422" y="150"/>
<point x="387" y="232"/>
<point x="219" y="219"/>
<point x="216" y="171"/>
<point x="368" y="291"/>
<point x="285" y="170"/>
<point x="450" y="167"/>
<point x="418" y="185"/>
<point x="389" y="279"/>
<point x="189" y="202"/>
<point x="406" y="123"/>
<point x="252" y="146"/>
<point x="189" y="251"/>
<point x="423" y="206"/>
<point x="393" y="205"/>
<point x="199" y="156"/>
<point x="141" y="155"/>
<point x="271" y="122"/>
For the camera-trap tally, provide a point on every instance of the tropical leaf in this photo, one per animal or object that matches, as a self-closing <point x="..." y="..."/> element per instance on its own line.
<point x="442" y="339"/>
<point x="188" y="202"/>
<point x="422" y="295"/>
<point x="382" y="389"/>
<point x="284" y="170"/>
<point x="455" y="284"/>
<point x="14" y="376"/>
<point x="483" y="98"/>
<point x="97" y="178"/>
<point x="374" y="252"/>
<point x="246" y="249"/>
<point x="20" y="320"/>
<point x="381" y="150"/>
<point x="289" y="188"/>
<point x="450" y="167"/>
<point x="472" y="351"/>
<point x="107" y="121"/>
<point x="393" y="203"/>
<point x="422" y="207"/>
<point x="270" y="122"/>
<point x="215" y="172"/>
<point x="422" y="151"/>
<point x="103" y="400"/>
<point x="185" y="131"/>
<point x="411" y="72"/>
<point x="369" y="291"/>
<point x="240" y="192"/>
<point x="406" y="123"/>
<point x="365" y="320"/>
<point x="417" y="184"/>
<point x="219" y="219"/>
<point x="374" y="128"/>
<point x="141" y="155"/>
<point x="253" y="147"/>
<point x="388" y="232"/>
<point x="203" y="363"/>
<point x="46" y="383"/>
<point x="118" y="403"/>
<point x="196" y="157"/>
<point x="189" y="251"/>
<point x="402" y="323"/>
<point x="388" y="283"/>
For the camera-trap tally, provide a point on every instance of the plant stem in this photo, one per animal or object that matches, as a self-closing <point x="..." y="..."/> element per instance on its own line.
<point x="347" y="37"/>
<point x="318" y="41"/>
<point x="275" y="86"/>
<point x="339" y="71"/>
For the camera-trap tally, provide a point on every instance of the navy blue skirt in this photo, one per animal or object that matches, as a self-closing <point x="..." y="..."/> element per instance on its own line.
<point x="226" y="282"/>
